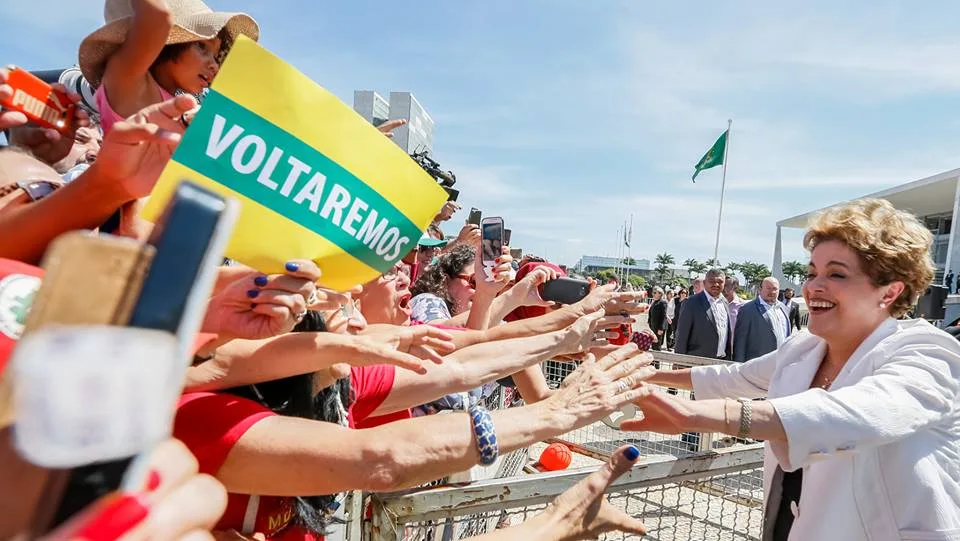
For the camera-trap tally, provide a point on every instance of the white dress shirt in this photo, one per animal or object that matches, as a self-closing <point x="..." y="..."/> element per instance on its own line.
<point x="777" y="320"/>
<point x="671" y="308"/>
<point x="880" y="450"/>
<point x="721" y="318"/>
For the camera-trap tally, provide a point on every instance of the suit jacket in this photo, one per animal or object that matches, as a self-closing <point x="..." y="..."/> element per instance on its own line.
<point x="677" y="306"/>
<point x="794" y="318"/>
<point x="657" y="317"/>
<point x="697" y="329"/>
<point x="878" y="449"/>
<point x="754" y="335"/>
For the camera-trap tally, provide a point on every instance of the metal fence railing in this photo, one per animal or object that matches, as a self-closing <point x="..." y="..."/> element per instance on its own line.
<point x="708" y="496"/>
<point x="687" y="487"/>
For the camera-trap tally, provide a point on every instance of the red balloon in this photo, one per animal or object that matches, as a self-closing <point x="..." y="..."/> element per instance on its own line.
<point x="556" y="456"/>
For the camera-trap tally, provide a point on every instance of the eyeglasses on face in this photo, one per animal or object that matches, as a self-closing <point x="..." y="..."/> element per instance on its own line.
<point x="394" y="272"/>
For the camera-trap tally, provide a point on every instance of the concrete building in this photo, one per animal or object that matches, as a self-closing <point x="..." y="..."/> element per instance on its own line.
<point x="371" y="106"/>
<point x="416" y="135"/>
<point x="935" y="200"/>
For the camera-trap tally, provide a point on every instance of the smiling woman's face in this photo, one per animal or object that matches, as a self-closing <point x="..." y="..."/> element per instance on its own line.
<point x="843" y="302"/>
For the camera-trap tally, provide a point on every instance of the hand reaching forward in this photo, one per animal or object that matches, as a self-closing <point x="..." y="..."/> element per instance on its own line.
<point x="423" y="341"/>
<point x="598" y="388"/>
<point x="610" y="300"/>
<point x="136" y="150"/>
<point x="662" y="413"/>
<point x="581" y="512"/>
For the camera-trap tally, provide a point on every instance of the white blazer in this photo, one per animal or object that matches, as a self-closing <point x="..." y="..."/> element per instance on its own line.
<point x="880" y="450"/>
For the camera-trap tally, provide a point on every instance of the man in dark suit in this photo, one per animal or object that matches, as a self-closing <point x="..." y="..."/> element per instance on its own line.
<point x="657" y="317"/>
<point x="703" y="325"/>
<point x="793" y="309"/>
<point x="762" y="324"/>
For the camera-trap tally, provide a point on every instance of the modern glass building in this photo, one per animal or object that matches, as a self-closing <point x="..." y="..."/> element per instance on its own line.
<point x="935" y="200"/>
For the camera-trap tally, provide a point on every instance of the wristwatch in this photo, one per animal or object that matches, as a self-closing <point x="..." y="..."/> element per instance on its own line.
<point x="746" y="409"/>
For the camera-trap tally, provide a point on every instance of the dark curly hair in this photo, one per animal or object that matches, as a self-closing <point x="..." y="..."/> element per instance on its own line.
<point x="174" y="50"/>
<point x="294" y="397"/>
<point x="448" y="265"/>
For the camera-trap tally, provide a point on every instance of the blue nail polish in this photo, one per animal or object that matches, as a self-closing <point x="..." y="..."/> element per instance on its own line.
<point x="260" y="281"/>
<point x="292" y="267"/>
<point x="252" y="293"/>
<point x="632" y="453"/>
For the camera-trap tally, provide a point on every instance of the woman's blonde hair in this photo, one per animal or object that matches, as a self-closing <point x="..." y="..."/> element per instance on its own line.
<point x="892" y="244"/>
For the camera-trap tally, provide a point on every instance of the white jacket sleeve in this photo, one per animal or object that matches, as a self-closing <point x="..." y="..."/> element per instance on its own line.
<point x="734" y="380"/>
<point x="916" y="389"/>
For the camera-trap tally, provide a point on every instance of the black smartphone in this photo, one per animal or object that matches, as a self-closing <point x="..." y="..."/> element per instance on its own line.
<point x="190" y="239"/>
<point x="506" y="236"/>
<point x="491" y="237"/>
<point x="452" y="194"/>
<point x="565" y="290"/>
<point x="516" y="254"/>
<point x="475" y="216"/>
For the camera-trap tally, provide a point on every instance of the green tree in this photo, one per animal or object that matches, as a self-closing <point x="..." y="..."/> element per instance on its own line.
<point x="694" y="267"/>
<point x="753" y="273"/>
<point x="663" y="262"/>
<point x="712" y="263"/>
<point x="794" y="271"/>
<point x="638" y="282"/>
<point x="629" y="261"/>
<point x="605" y="275"/>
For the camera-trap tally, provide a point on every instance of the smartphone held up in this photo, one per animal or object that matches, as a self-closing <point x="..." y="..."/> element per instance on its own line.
<point x="491" y="235"/>
<point x="41" y="103"/>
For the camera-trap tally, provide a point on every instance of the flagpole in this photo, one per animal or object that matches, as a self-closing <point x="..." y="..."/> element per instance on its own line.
<point x="723" y="186"/>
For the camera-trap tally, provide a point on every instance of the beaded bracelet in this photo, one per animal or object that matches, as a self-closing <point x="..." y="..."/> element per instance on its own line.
<point x="485" y="433"/>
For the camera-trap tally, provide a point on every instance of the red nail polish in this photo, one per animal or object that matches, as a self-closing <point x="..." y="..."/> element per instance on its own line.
<point x="153" y="480"/>
<point x="115" y="517"/>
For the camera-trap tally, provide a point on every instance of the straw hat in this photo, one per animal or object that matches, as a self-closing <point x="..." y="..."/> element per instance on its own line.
<point x="192" y="21"/>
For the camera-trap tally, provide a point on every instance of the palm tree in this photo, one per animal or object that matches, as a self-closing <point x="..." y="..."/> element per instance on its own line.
<point x="694" y="267"/>
<point x="794" y="271"/>
<point x="753" y="273"/>
<point x="663" y="262"/>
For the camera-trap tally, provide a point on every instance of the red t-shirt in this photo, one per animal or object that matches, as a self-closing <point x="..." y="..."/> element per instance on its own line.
<point x="210" y="424"/>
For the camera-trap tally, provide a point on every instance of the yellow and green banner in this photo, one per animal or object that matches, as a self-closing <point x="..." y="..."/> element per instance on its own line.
<point x="315" y="180"/>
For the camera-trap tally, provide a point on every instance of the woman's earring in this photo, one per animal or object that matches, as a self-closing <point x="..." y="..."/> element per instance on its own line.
<point x="883" y="305"/>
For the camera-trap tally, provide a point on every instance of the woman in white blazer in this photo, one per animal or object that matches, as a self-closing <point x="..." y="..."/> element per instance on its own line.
<point x="862" y="417"/>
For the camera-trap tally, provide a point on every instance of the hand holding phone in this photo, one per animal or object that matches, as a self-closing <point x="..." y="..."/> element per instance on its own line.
<point x="474" y="218"/>
<point x="42" y="104"/>
<point x="491" y="240"/>
<point x="565" y="290"/>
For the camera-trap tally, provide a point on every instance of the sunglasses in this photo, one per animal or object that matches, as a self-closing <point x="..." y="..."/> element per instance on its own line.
<point x="470" y="279"/>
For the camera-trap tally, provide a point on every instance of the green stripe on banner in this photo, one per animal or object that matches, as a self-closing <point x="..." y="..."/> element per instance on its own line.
<point x="250" y="155"/>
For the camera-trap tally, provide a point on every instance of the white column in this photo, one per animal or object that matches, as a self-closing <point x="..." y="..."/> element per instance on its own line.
<point x="778" y="258"/>
<point x="953" y="245"/>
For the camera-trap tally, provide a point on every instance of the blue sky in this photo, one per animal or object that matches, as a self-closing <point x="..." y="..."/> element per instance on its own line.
<point x="566" y="116"/>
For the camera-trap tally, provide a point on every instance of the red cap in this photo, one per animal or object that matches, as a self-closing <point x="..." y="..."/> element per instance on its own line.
<point x="19" y="284"/>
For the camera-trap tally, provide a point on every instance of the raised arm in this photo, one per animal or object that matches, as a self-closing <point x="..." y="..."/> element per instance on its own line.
<point x="244" y="362"/>
<point x="287" y="456"/>
<point x="125" y="76"/>
<point x="482" y="363"/>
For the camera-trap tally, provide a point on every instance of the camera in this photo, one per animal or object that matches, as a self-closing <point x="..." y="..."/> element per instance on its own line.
<point x="432" y="167"/>
<point x="74" y="81"/>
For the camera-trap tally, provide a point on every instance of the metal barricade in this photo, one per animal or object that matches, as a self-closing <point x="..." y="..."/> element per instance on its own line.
<point x="687" y="487"/>
<point x="709" y="496"/>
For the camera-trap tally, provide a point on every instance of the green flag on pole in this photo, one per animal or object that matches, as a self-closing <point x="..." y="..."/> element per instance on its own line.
<point x="713" y="157"/>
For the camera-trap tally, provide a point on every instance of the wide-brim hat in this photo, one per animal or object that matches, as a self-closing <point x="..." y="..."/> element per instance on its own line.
<point x="192" y="21"/>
